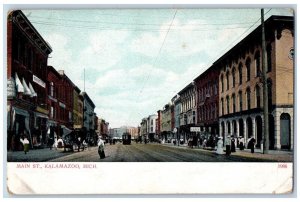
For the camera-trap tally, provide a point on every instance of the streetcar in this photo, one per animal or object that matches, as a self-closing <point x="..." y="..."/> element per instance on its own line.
<point x="126" y="138"/>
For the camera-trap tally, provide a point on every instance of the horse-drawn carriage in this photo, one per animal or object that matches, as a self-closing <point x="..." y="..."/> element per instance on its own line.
<point x="75" y="140"/>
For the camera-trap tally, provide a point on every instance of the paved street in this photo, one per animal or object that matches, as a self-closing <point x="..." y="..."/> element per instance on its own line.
<point x="145" y="153"/>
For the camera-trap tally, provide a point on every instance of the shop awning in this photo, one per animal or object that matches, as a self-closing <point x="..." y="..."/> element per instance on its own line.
<point x="20" y="88"/>
<point x="26" y="88"/>
<point x="21" y="111"/>
<point x="52" y="123"/>
<point x="41" y="115"/>
<point x="33" y="93"/>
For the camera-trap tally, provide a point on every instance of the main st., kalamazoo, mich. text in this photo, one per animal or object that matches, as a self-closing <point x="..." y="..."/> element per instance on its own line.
<point x="55" y="165"/>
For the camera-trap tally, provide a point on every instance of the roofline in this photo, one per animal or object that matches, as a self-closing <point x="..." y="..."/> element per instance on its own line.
<point x="273" y="18"/>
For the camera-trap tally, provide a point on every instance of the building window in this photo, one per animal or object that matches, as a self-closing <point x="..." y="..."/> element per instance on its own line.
<point x="227" y="101"/>
<point x="51" y="112"/>
<point x="222" y="83"/>
<point x="240" y="73"/>
<point x="248" y="94"/>
<point x="216" y="88"/>
<point x="227" y="78"/>
<point x="233" y="103"/>
<point x="269" y="57"/>
<point x="241" y="101"/>
<point x="233" y="77"/>
<point x="257" y="63"/>
<point x="257" y="90"/>
<point x="222" y="106"/>
<point x="51" y="89"/>
<point x="248" y="64"/>
<point x="194" y="117"/>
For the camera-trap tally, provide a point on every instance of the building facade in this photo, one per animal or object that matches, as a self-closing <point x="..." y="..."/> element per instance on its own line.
<point x="53" y="78"/>
<point x="188" y="110"/>
<point x="77" y="109"/>
<point x="166" y="126"/>
<point x="151" y="126"/>
<point x="240" y="85"/>
<point x="27" y="57"/>
<point x="144" y="126"/>
<point x="65" y="103"/>
<point x="88" y="118"/>
<point x="133" y="131"/>
<point x="207" y="101"/>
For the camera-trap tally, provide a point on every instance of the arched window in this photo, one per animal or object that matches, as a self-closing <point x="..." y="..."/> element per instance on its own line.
<point x="228" y="104"/>
<point x="233" y="77"/>
<point x="227" y="78"/>
<point x="248" y="64"/>
<point x="240" y="73"/>
<point x="222" y="106"/>
<point x="222" y="83"/>
<point x="233" y="103"/>
<point x="248" y="95"/>
<point x="257" y="91"/>
<point x="257" y="63"/>
<point x="241" y="100"/>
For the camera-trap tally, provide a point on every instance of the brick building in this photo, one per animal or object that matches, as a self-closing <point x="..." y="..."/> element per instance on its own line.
<point x="240" y="85"/>
<point x="27" y="56"/>
<point x="207" y="101"/>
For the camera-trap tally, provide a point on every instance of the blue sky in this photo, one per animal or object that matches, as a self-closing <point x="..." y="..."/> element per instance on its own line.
<point x="136" y="60"/>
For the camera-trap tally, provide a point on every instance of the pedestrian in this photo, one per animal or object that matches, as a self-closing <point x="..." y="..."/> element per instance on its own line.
<point x="101" y="148"/>
<point x="252" y="144"/>
<point x="227" y="143"/>
<point x="55" y="143"/>
<point x="78" y="143"/>
<point x="232" y="144"/>
<point x="241" y="143"/>
<point x="220" y="146"/>
<point x="25" y="143"/>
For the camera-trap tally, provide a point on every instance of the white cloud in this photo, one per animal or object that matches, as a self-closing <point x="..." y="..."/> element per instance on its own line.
<point x="129" y="100"/>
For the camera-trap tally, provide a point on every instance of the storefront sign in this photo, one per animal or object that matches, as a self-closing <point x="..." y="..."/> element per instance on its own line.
<point x="11" y="88"/>
<point x="42" y="110"/>
<point x="195" y="129"/>
<point x="39" y="81"/>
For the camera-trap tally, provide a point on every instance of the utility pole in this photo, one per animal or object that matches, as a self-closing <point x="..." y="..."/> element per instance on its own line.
<point x="265" y="87"/>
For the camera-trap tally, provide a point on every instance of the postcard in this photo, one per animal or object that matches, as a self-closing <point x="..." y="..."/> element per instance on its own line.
<point x="150" y="101"/>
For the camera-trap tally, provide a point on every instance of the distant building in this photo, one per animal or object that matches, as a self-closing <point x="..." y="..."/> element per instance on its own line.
<point x="77" y="109"/>
<point x="88" y="117"/>
<point x="207" y="101"/>
<point x="188" y="110"/>
<point x="166" y="126"/>
<point x="65" y="102"/>
<point x="151" y="120"/>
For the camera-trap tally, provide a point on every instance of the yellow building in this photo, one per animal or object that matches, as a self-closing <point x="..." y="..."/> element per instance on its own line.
<point x="241" y="90"/>
<point x="77" y="109"/>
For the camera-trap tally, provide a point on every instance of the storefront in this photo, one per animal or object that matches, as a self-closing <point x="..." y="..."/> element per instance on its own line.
<point x="19" y="127"/>
<point x="40" y="133"/>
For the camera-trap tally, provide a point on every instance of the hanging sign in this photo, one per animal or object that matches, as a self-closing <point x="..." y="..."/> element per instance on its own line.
<point x="11" y="88"/>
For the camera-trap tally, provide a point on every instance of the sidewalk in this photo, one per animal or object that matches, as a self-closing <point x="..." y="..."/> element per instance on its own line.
<point x="273" y="155"/>
<point x="35" y="155"/>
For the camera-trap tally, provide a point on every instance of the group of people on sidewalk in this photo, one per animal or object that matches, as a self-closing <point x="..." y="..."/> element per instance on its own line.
<point x="231" y="142"/>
